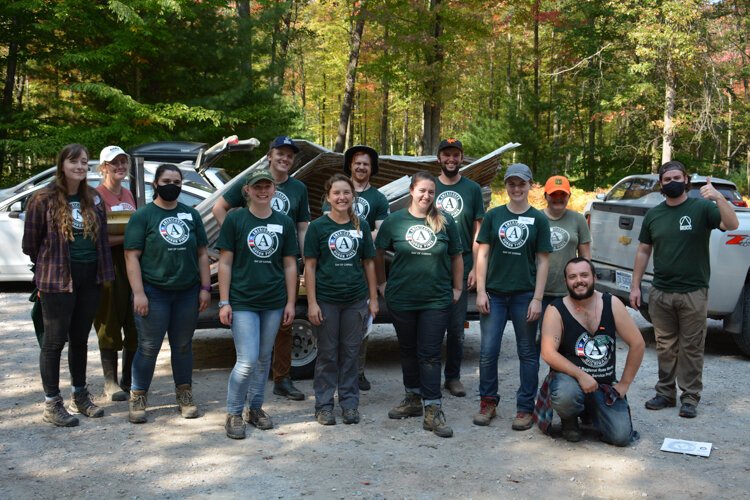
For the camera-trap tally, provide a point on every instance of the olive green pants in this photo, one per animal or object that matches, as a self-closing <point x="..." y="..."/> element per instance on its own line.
<point x="114" y="322"/>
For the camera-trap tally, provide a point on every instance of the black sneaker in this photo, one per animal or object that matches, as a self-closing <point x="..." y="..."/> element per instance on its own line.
<point x="659" y="402"/>
<point x="364" y="384"/>
<point x="284" y="387"/>
<point x="351" y="416"/>
<point x="688" y="410"/>
<point x="325" y="417"/>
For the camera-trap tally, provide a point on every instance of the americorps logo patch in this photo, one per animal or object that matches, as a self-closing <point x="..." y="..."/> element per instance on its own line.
<point x="343" y="245"/>
<point x="262" y="242"/>
<point x="421" y="237"/>
<point x="361" y="208"/>
<point x="594" y="351"/>
<point x="280" y="202"/>
<point x="174" y="230"/>
<point x="513" y="234"/>
<point x="559" y="237"/>
<point x="450" y="202"/>
<point x="77" y="216"/>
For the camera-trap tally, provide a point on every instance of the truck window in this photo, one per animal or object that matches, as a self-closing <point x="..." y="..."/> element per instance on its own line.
<point x="633" y="189"/>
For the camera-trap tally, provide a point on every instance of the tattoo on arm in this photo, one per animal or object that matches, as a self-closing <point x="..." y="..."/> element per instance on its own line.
<point x="556" y="339"/>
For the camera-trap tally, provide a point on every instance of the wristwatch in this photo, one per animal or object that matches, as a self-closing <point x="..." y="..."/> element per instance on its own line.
<point x="223" y="303"/>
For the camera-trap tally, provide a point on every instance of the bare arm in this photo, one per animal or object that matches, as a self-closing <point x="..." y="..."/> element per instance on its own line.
<point x="226" y="258"/>
<point x="628" y="331"/>
<point x="314" y="314"/>
<point x="133" y="267"/>
<point x="480" y="265"/>
<point x="220" y="210"/>
<point x="301" y="231"/>
<point x="584" y="250"/>
<point x="729" y="220"/>
<point x="542" y="269"/>
<point x="639" y="268"/>
<point x="457" y="271"/>
<point x="290" y="280"/>
<point x="374" y="232"/>
<point x="205" y="272"/>
<point x="552" y="333"/>
<point x="116" y="239"/>
<point x="380" y="270"/>
<point x="372" y="286"/>
<point x="471" y="280"/>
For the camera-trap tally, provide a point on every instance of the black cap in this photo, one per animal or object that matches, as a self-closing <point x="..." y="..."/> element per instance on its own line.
<point x="283" y="141"/>
<point x="349" y="155"/>
<point x="450" y="143"/>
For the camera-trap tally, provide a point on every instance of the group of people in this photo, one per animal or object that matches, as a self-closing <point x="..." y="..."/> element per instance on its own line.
<point x="423" y="259"/>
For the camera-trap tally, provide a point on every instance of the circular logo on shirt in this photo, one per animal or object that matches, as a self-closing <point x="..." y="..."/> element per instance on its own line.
<point x="421" y="237"/>
<point x="77" y="216"/>
<point x="513" y="234"/>
<point x="280" y="202"/>
<point x="174" y="230"/>
<point x="361" y="207"/>
<point x="343" y="245"/>
<point x="559" y="238"/>
<point x="594" y="351"/>
<point x="262" y="242"/>
<point x="450" y="202"/>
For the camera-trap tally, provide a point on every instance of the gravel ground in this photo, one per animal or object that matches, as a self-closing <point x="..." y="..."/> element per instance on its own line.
<point x="174" y="458"/>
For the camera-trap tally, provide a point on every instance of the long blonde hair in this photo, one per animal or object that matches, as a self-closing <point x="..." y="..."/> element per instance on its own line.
<point x="342" y="178"/>
<point x="61" y="214"/>
<point x="435" y="219"/>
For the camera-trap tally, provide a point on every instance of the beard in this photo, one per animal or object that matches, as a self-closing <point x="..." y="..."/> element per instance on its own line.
<point x="449" y="173"/>
<point x="581" y="296"/>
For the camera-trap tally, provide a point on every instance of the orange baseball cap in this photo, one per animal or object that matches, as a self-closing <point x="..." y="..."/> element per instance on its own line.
<point x="557" y="183"/>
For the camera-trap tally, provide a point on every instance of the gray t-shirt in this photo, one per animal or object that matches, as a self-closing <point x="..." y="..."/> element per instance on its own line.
<point x="566" y="233"/>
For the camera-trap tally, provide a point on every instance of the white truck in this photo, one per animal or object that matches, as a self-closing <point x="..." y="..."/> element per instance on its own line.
<point x="615" y="221"/>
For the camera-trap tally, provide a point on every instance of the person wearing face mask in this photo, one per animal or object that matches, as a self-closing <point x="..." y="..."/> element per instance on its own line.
<point x="167" y="264"/>
<point x="677" y="232"/>
<point x="114" y="322"/>
<point x="569" y="234"/>
<point x="461" y="198"/>
<point x="290" y="199"/>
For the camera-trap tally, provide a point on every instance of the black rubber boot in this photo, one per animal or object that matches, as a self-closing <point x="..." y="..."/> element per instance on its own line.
<point x="127" y="366"/>
<point x="109" y="367"/>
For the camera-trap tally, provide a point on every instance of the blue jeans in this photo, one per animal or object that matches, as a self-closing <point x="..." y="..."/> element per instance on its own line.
<point x="454" y="342"/>
<point x="569" y="401"/>
<point x="254" y="333"/>
<point x="420" y="336"/>
<point x="174" y="312"/>
<point x="514" y="307"/>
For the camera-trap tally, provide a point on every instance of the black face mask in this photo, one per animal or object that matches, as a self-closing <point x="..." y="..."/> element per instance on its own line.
<point x="168" y="192"/>
<point x="673" y="189"/>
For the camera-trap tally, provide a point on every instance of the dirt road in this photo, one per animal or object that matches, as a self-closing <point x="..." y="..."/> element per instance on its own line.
<point x="174" y="458"/>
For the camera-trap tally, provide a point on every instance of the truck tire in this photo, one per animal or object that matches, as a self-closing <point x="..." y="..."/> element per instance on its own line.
<point x="742" y="339"/>
<point x="304" y="350"/>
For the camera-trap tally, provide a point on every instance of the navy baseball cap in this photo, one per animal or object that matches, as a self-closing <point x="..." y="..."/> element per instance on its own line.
<point x="283" y="141"/>
<point x="450" y="143"/>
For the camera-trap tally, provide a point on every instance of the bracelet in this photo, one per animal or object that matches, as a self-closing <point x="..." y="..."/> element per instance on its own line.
<point x="206" y="288"/>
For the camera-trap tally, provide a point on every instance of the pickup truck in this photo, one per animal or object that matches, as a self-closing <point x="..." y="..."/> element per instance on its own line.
<point x="616" y="223"/>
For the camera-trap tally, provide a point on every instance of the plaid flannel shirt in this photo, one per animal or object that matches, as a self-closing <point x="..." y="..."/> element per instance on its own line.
<point x="49" y="250"/>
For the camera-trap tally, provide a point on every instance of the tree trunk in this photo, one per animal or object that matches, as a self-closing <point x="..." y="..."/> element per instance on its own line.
<point x="351" y="75"/>
<point x="537" y="56"/>
<point x="244" y="35"/>
<point x="405" y="136"/>
<point x="669" y="99"/>
<point x="10" y="80"/>
<point x="729" y="131"/>
<point x="384" y="119"/>
<point x="432" y="107"/>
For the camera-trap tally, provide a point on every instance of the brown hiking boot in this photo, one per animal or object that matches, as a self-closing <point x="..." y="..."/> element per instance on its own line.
<point x="235" y="427"/>
<point x="257" y="418"/>
<point x="410" y="406"/>
<point x="523" y="421"/>
<point x="82" y="404"/>
<point x="184" y="396"/>
<point x="137" y="407"/>
<point x="434" y="420"/>
<point x="456" y="388"/>
<point x="487" y="411"/>
<point x="55" y="413"/>
<point x="570" y="430"/>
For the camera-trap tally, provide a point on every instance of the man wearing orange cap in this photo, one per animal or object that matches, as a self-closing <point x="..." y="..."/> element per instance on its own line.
<point x="569" y="234"/>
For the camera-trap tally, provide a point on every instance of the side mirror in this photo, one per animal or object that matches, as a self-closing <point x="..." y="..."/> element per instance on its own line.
<point x="16" y="207"/>
<point x="600" y="196"/>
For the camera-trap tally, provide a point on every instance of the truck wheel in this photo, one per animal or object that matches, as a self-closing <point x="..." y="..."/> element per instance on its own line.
<point x="644" y="312"/>
<point x="742" y="339"/>
<point x="304" y="350"/>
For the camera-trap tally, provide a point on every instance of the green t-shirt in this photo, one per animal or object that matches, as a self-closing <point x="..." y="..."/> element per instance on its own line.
<point x="514" y="241"/>
<point x="420" y="275"/>
<point x="169" y="240"/>
<point x="290" y="199"/>
<point x="370" y="205"/>
<point x="567" y="233"/>
<point x="259" y="247"/>
<point x="680" y="238"/>
<point x="463" y="202"/>
<point x="82" y="249"/>
<point x="339" y="250"/>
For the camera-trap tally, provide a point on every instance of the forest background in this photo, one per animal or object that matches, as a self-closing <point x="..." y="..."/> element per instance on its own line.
<point x="594" y="89"/>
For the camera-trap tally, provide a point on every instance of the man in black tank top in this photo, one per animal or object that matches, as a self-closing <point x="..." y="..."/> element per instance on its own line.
<point x="578" y="343"/>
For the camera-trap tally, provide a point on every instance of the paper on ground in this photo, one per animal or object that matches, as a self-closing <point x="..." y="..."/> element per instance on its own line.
<point x="688" y="447"/>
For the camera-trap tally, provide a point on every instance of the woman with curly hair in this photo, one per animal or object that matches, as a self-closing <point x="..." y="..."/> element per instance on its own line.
<point x="65" y="235"/>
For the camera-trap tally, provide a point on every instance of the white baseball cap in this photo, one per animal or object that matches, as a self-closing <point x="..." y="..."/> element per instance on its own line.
<point x="110" y="153"/>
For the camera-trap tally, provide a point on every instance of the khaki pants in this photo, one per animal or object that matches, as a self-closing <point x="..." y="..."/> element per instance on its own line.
<point x="679" y="321"/>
